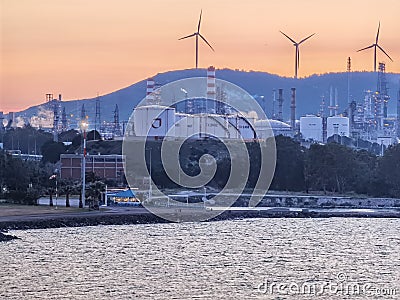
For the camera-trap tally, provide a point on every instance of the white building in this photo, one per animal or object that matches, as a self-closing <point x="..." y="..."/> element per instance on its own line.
<point x="337" y="125"/>
<point x="311" y="128"/>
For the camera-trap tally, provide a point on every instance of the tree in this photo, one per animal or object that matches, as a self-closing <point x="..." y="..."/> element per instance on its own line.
<point x="289" y="172"/>
<point x="93" y="135"/>
<point x="51" y="151"/>
<point x="27" y="139"/>
<point x="331" y="167"/>
<point x="389" y="170"/>
<point x="68" y="136"/>
<point x="365" y="178"/>
<point x="93" y="193"/>
<point x="22" y="181"/>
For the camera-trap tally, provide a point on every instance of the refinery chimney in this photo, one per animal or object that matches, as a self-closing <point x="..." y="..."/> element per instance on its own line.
<point x="211" y="92"/>
<point x="293" y="110"/>
<point x="150" y="90"/>
<point x="280" y="104"/>
<point x="211" y="83"/>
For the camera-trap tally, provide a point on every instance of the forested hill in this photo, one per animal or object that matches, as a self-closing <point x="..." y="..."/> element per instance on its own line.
<point x="309" y="91"/>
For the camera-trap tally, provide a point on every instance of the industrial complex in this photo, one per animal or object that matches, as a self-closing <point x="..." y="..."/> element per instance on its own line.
<point x="365" y="119"/>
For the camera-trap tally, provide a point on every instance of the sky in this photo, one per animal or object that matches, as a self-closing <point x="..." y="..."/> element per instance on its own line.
<point x="81" y="48"/>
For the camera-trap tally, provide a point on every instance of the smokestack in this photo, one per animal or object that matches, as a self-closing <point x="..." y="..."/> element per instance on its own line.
<point x="59" y="97"/>
<point x="280" y="104"/>
<point x="211" y="92"/>
<point x="211" y="83"/>
<point x="293" y="110"/>
<point x="150" y="90"/>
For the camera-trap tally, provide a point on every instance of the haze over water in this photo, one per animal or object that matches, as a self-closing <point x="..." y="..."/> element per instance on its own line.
<point x="211" y="260"/>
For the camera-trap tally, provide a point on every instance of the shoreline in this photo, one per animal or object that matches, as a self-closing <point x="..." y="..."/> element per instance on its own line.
<point x="143" y="216"/>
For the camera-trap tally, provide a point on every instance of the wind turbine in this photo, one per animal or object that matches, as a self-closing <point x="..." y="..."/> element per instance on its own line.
<point x="197" y="34"/>
<point x="297" y="54"/>
<point x="376" y="46"/>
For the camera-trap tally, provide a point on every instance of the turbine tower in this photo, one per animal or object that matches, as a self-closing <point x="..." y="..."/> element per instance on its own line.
<point x="297" y="53"/>
<point x="376" y="45"/>
<point x="197" y="34"/>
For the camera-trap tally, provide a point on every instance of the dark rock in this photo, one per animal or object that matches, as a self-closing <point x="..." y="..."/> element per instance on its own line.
<point x="6" y="237"/>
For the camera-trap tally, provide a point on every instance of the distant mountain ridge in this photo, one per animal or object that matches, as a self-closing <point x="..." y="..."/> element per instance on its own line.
<point x="309" y="91"/>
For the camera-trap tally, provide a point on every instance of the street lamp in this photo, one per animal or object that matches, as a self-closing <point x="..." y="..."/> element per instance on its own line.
<point x="84" y="126"/>
<point x="56" y="171"/>
<point x="54" y="176"/>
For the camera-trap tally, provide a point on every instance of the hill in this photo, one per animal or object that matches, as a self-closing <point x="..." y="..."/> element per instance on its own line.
<point x="309" y="91"/>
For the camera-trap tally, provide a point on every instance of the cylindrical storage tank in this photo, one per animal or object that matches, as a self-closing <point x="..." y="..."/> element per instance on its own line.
<point x="337" y="125"/>
<point x="154" y="120"/>
<point x="246" y="129"/>
<point x="311" y="128"/>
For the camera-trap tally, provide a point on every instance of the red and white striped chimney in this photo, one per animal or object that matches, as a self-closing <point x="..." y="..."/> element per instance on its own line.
<point x="211" y="83"/>
<point x="150" y="90"/>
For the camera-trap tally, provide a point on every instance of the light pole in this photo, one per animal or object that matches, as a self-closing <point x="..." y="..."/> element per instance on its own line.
<point x="84" y="126"/>
<point x="56" y="170"/>
<point x="150" y="180"/>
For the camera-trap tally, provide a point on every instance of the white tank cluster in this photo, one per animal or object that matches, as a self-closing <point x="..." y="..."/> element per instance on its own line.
<point x="162" y="121"/>
<point x="312" y="128"/>
<point x="155" y="120"/>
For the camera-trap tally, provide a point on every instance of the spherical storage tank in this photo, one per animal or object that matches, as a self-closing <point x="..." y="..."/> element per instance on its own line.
<point x="269" y="128"/>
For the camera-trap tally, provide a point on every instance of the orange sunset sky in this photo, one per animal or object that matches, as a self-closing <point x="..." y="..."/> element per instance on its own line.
<point x="83" y="47"/>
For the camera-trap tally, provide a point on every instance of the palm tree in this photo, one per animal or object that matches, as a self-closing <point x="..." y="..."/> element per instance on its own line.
<point x="94" y="193"/>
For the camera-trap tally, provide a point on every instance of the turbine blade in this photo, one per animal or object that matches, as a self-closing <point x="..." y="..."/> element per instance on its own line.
<point x="198" y="26"/>
<point x="303" y="40"/>
<point x="366" y="48"/>
<point x="384" y="52"/>
<point x="206" y="42"/>
<point x="188" y="36"/>
<point x="288" y="37"/>
<point x="377" y="34"/>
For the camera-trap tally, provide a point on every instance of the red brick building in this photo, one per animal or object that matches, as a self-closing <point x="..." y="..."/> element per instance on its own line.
<point x="104" y="166"/>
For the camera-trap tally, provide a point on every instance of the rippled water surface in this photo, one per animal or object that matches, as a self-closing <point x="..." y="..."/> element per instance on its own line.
<point x="242" y="259"/>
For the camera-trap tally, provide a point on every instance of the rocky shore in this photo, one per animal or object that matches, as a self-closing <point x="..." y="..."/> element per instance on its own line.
<point x="6" y="237"/>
